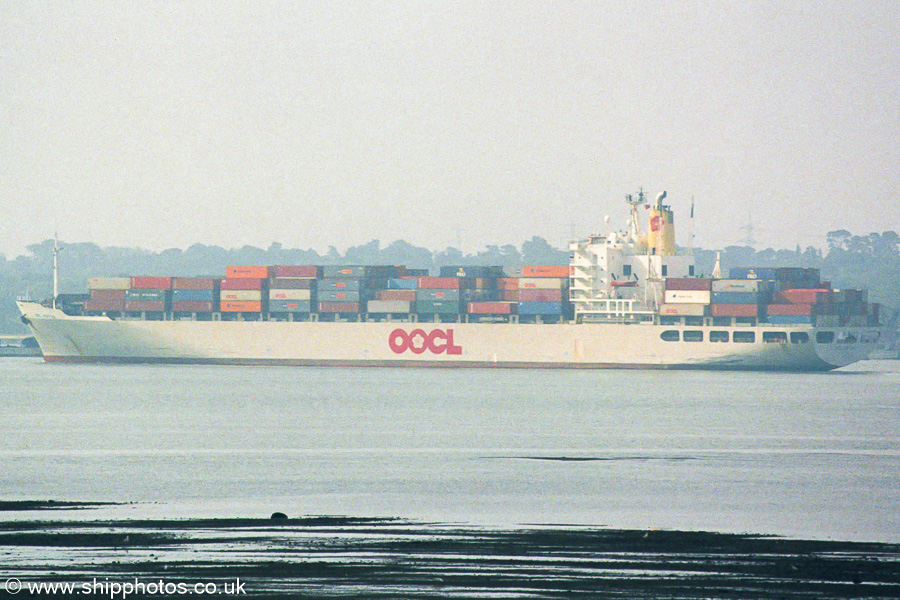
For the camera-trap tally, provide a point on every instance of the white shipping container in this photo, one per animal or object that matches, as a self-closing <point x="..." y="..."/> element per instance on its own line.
<point x="388" y="306"/>
<point x="109" y="283"/>
<point x="542" y="283"/>
<point x="241" y="295"/>
<point x="740" y="285"/>
<point x="288" y="294"/>
<point x="687" y="297"/>
<point x="683" y="310"/>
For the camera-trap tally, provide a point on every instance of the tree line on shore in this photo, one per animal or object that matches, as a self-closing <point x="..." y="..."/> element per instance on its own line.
<point x="848" y="261"/>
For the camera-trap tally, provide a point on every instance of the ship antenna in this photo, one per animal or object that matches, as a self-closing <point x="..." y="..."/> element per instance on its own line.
<point x="55" y="267"/>
<point x="691" y="234"/>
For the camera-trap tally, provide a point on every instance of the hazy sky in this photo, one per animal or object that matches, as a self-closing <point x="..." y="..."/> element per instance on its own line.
<point x="160" y="124"/>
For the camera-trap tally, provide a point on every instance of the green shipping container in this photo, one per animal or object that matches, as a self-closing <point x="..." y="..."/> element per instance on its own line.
<point x="146" y="295"/>
<point x="441" y="307"/>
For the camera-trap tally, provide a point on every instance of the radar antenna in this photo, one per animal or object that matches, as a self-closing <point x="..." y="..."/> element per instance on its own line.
<point x="634" y="203"/>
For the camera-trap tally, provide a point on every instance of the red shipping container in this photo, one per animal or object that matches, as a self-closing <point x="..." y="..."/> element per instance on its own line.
<point x="539" y="295"/>
<point x="801" y="296"/>
<point x="191" y="306"/>
<point x="240" y="306"/>
<point x="145" y="306"/>
<point x="241" y="283"/>
<point x="509" y="295"/>
<point x="307" y="271"/>
<point x="402" y="295"/>
<point x="194" y="283"/>
<point x="248" y="272"/>
<point x="151" y="283"/>
<point x="789" y="309"/>
<point x="108" y="295"/>
<point x="339" y="307"/>
<point x="292" y="284"/>
<point x="689" y="284"/>
<point x="508" y="283"/>
<point x="442" y="283"/>
<point x="104" y="305"/>
<point x="491" y="308"/>
<point x="734" y="310"/>
<point x="546" y="271"/>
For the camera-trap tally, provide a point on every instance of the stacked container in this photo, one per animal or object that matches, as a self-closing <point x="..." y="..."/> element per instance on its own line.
<point x="543" y="292"/>
<point x="293" y="289"/>
<point x="148" y="294"/>
<point x="195" y="294"/>
<point x="340" y="289"/>
<point x="107" y="294"/>
<point x="244" y="289"/>
<point x="687" y="296"/>
<point x="441" y="295"/>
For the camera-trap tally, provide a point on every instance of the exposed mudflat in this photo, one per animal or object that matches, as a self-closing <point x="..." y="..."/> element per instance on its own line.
<point x="390" y="558"/>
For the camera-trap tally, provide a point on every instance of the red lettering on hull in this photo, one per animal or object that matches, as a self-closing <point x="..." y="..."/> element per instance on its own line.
<point x="417" y="341"/>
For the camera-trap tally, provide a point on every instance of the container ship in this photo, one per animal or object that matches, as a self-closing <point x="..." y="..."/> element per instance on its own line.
<point x="628" y="299"/>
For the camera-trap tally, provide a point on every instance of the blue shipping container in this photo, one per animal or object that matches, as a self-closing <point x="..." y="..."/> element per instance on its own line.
<point x="338" y="295"/>
<point x="402" y="284"/>
<point x="192" y="296"/>
<point x="540" y="308"/>
<point x="289" y="306"/>
<point x="342" y="285"/>
<point x="738" y="297"/>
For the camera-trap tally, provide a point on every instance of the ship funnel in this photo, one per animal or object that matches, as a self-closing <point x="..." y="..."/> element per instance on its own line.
<point x="660" y="197"/>
<point x="661" y="239"/>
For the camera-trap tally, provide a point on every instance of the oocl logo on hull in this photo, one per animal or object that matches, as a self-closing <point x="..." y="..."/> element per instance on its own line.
<point x="437" y="341"/>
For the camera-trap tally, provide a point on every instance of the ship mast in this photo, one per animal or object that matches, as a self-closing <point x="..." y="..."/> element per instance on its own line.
<point x="55" y="267"/>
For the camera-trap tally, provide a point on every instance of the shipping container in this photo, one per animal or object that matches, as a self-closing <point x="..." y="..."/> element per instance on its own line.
<point x="449" y="283"/>
<point x="511" y="295"/>
<point x="684" y="310"/>
<point x="338" y="307"/>
<point x="343" y="272"/>
<point x="144" y="306"/>
<point x="342" y="285"/>
<point x="296" y="271"/>
<point x="388" y="306"/>
<point x="688" y="284"/>
<point x="192" y="305"/>
<point x="104" y="305"/>
<point x="471" y="271"/>
<point x="741" y="285"/>
<point x="481" y="295"/>
<point x="437" y="294"/>
<point x="241" y="295"/>
<point x="244" y="272"/>
<point x="242" y="283"/>
<point x="146" y="295"/>
<point x="109" y="283"/>
<point x="290" y="306"/>
<point x="770" y="273"/>
<point x="542" y="283"/>
<point x="240" y="306"/>
<point x="734" y="310"/>
<point x="438" y="307"/>
<point x="107" y="294"/>
<point x="789" y="309"/>
<point x="539" y="295"/>
<point x="808" y="296"/>
<point x="337" y="296"/>
<point x="406" y="283"/>
<point x="508" y="283"/>
<point x="398" y="295"/>
<point x="790" y="319"/>
<point x="194" y="283"/>
<point x="540" y="308"/>
<point x="193" y="296"/>
<point x="292" y="283"/>
<point x="687" y="296"/>
<point x="739" y="298"/>
<point x="491" y="308"/>
<point x="151" y="283"/>
<point x="290" y="295"/>
<point x="556" y="271"/>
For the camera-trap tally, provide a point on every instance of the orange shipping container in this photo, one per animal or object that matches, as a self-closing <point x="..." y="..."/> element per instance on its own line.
<point x="545" y="271"/>
<point x="508" y="283"/>
<point x="248" y="272"/>
<point x="240" y="306"/>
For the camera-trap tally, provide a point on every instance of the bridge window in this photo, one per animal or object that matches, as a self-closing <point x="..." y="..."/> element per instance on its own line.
<point x="665" y="270"/>
<point x="693" y="336"/>
<point x="669" y="336"/>
<point x="744" y="337"/>
<point x="799" y="337"/>
<point x="626" y="270"/>
<point x="774" y="337"/>
<point x="718" y="336"/>
<point x="824" y="337"/>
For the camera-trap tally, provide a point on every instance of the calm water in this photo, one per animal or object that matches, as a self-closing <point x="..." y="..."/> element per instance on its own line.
<point x="814" y="455"/>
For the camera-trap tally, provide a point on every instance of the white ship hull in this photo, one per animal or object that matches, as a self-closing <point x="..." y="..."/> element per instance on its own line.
<point x="64" y="338"/>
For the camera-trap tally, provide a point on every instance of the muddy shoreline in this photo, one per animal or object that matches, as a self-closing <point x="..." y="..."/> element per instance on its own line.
<point x="321" y="556"/>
